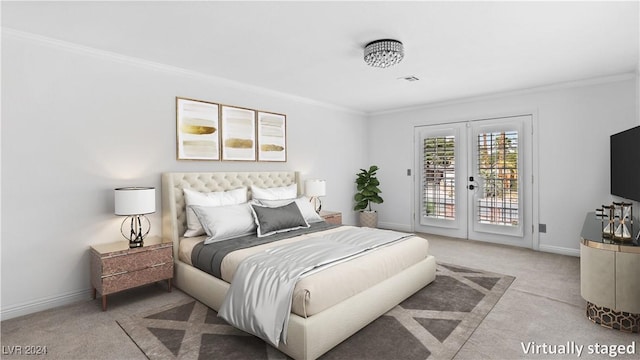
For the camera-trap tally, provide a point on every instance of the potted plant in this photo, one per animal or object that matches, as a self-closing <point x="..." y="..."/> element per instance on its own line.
<point x="368" y="192"/>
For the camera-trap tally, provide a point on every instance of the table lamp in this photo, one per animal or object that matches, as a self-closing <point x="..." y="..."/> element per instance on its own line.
<point x="314" y="189"/>
<point x="135" y="203"/>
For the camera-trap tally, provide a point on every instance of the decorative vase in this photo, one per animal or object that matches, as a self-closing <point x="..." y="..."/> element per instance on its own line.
<point x="369" y="219"/>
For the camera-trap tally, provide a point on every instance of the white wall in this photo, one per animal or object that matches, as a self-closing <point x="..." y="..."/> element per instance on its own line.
<point x="572" y="133"/>
<point x="76" y="123"/>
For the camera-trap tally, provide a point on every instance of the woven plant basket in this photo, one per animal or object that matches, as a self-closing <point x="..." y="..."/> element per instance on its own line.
<point x="369" y="219"/>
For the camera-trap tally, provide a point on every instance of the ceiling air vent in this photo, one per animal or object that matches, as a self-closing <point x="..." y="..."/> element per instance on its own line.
<point x="409" y="78"/>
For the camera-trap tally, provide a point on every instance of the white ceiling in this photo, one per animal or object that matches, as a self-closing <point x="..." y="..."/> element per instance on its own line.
<point x="314" y="49"/>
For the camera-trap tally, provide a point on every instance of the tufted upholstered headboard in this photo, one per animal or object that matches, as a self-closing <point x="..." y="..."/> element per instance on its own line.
<point x="173" y="206"/>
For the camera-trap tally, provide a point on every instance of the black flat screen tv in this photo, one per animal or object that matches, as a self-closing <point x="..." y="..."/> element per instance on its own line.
<point x="625" y="164"/>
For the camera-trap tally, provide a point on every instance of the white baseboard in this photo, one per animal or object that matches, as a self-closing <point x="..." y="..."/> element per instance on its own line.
<point x="560" y="250"/>
<point x="395" y="226"/>
<point x="29" y="307"/>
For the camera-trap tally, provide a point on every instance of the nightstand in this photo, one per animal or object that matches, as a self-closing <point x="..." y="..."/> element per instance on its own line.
<point x="115" y="267"/>
<point x="331" y="217"/>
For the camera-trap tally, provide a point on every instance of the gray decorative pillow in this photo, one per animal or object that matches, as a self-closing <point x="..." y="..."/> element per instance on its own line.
<point x="306" y="208"/>
<point x="272" y="220"/>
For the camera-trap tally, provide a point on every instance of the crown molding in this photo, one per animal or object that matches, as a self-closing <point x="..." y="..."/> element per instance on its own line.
<point x="175" y="70"/>
<point x="169" y="69"/>
<point x="518" y="92"/>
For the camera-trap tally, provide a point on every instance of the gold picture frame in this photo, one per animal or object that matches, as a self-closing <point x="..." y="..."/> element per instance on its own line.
<point x="238" y="133"/>
<point x="272" y="136"/>
<point x="197" y="129"/>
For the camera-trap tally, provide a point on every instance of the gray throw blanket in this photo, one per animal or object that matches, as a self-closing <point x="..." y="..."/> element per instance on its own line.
<point x="259" y="299"/>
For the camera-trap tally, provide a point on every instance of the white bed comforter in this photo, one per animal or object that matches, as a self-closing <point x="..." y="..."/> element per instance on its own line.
<point x="259" y="299"/>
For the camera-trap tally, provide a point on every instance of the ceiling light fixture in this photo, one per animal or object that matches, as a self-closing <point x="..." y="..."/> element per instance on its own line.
<point x="383" y="53"/>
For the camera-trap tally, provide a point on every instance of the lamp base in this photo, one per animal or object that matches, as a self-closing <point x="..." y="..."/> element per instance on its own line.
<point x="317" y="203"/>
<point x="136" y="244"/>
<point x="137" y="231"/>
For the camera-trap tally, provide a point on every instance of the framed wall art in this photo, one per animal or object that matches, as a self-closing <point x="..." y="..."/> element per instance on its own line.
<point x="272" y="136"/>
<point x="197" y="128"/>
<point x="238" y="131"/>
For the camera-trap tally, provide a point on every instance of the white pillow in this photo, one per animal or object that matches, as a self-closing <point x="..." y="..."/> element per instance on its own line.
<point x="306" y="208"/>
<point x="218" y="198"/>
<point x="225" y="222"/>
<point x="275" y="193"/>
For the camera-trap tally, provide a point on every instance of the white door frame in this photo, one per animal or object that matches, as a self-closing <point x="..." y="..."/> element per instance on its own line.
<point x="532" y="224"/>
<point x="449" y="227"/>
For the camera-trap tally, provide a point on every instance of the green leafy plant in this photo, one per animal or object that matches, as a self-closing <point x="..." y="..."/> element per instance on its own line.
<point x="368" y="191"/>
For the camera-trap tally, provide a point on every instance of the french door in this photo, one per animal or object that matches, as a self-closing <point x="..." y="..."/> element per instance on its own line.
<point x="473" y="180"/>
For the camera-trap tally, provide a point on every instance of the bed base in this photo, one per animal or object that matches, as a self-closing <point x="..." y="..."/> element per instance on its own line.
<point x="309" y="338"/>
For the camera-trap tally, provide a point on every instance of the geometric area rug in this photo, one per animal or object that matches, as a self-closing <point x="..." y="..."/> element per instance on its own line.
<point x="434" y="323"/>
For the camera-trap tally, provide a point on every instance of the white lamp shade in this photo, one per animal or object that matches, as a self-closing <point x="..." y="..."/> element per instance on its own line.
<point x="135" y="200"/>
<point x="315" y="188"/>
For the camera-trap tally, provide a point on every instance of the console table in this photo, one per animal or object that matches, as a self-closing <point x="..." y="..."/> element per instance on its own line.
<point x="610" y="277"/>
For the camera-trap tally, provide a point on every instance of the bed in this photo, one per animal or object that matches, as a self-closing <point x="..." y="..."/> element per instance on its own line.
<point x="312" y="329"/>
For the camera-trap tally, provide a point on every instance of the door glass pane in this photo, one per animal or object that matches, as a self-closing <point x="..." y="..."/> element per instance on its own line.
<point x="439" y="177"/>
<point x="498" y="169"/>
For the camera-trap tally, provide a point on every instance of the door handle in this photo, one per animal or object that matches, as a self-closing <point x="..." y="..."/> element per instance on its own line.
<point x="474" y="184"/>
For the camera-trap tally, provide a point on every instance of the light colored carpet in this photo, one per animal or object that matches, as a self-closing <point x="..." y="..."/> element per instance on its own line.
<point x="434" y="323"/>
<point x="543" y="305"/>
